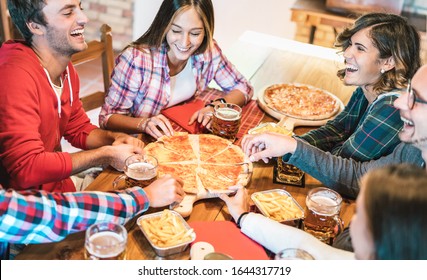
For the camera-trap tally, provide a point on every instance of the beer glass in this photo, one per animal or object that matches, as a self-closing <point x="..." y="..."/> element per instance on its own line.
<point x="321" y="217"/>
<point x="105" y="241"/>
<point x="140" y="170"/>
<point x="293" y="254"/>
<point x="226" y="120"/>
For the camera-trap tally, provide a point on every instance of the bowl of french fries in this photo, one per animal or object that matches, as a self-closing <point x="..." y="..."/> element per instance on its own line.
<point x="279" y="205"/>
<point x="270" y="127"/>
<point x="167" y="232"/>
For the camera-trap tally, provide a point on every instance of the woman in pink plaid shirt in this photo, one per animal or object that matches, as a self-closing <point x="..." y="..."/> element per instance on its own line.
<point x="174" y="61"/>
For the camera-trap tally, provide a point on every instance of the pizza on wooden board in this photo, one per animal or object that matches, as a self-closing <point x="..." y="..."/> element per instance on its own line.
<point x="301" y="101"/>
<point x="202" y="161"/>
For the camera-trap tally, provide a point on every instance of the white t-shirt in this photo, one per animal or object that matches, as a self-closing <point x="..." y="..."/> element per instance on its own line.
<point x="183" y="85"/>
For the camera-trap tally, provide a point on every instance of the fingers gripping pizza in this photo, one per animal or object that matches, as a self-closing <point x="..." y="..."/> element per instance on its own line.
<point x="301" y="101"/>
<point x="202" y="161"/>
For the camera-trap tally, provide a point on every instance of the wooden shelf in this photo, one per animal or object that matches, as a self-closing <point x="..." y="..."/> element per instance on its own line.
<point x="315" y="13"/>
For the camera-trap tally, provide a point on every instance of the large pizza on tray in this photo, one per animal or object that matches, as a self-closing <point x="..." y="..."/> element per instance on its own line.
<point x="301" y="101"/>
<point x="202" y="161"/>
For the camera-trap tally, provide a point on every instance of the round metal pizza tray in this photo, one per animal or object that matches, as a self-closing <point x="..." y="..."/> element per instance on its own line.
<point x="291" y="122"/>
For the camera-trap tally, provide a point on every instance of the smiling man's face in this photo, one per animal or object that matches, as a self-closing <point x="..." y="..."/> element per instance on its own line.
<point x="415" y="125"/>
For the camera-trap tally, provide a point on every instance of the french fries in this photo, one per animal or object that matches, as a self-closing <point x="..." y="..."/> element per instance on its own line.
<point x="270" y="127"/>
<point x="166" y="230"/>
<point x="277" y="206"/>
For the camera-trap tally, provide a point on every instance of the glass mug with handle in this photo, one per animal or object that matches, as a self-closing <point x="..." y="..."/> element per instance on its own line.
<point x="140" y="170"/>
<point x="293" y="254"/>
<point x="321" y="218"/>
<point x="226" y="120"/>
<point x="105" y="241"/>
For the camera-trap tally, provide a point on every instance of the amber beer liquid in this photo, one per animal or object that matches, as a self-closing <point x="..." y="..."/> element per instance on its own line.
<point x="321" y="218"/>
<point x="140" y="174"/>
<point x="105" y="245"/>
<point x="226" y="121"/>
<point x="105" y="241"/>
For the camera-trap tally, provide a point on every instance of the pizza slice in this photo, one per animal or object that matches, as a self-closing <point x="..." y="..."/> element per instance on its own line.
<point x="232" y="155"/>
<point x="211" y="145"/>
<point x="187" y="172"/>
<point x="178" y="142"/>
<point x="218" y="178"/>
<point x="164" y="155"/>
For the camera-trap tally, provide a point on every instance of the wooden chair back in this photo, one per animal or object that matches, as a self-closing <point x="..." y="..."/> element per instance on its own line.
<point x="98" y="49"/>
<point x="6" y="30"/>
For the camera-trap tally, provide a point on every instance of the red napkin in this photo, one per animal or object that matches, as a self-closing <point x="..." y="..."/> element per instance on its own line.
<point x="181" y="115"/>
<point x="226" y="238"/>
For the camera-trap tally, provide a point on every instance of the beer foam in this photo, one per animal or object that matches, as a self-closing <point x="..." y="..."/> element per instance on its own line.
<point x="323" y="205"/>
<point x="227" y="114"/>
<point x="105" y="244"/>
<point x="141" y="171"/>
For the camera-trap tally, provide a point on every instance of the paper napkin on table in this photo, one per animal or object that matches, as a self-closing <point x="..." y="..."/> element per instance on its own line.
<point x="181" y="115"/>
<point x="226" y="238"/>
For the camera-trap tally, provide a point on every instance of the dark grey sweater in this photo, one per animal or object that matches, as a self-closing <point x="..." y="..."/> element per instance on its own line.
<point x="342" y="174"/>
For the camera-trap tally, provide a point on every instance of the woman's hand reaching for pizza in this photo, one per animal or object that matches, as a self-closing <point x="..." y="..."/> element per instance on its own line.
<point x="157" y="126"/>
<point x="264" y="146"/>
<point x="164" y="191"/>
<point x="203" y="116"/>
<point x="237" y="204"/>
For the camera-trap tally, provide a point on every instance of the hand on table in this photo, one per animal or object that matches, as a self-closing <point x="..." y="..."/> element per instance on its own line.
<point x="203" y="116"/>
<point x="157" y="126"/>
<point x="123" y="138"/>
<point x="120" y="152"/>
<point x="165" y="190"/>
<point x="267" y="145"/>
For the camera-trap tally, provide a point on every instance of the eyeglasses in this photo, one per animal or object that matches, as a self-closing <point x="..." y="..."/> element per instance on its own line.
<point x="412" y="98"/>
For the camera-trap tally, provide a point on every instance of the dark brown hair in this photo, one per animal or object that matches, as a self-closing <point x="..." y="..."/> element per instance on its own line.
<point x="394" y="37"/>
<point x="24" y="11"/>
<point x="396" y="206"/>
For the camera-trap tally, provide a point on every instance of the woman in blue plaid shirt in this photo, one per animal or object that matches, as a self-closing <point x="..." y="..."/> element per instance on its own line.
<point x="172" y="62"/>
<point x="381" y="52"/>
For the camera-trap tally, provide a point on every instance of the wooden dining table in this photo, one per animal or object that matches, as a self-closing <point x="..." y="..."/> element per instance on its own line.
<point x="273" y="60"/>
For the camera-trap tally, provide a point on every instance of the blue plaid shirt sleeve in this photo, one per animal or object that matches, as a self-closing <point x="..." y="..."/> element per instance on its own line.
<point x="38" y="217"/>
<point x="337" y="130"/>
<point x="362" y="131"/>
<point x="377" y="135"/>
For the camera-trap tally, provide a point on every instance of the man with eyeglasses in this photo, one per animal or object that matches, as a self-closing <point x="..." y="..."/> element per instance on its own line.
<point x="343" y="174"/>
<point x="412" y="97"/>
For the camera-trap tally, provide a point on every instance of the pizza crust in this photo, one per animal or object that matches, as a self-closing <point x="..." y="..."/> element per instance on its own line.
<point x="202" y="161"/>
<point x="301" y="101"/>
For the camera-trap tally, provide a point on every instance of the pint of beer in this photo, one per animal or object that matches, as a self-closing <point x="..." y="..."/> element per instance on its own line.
<point x="140" y="170"/>
<point x="226" y="120"/>
<point x="321" y="217"/>
<point x="105" y="241"/>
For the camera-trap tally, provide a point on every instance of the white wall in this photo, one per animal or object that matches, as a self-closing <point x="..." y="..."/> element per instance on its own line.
<point x="232" y="18"/>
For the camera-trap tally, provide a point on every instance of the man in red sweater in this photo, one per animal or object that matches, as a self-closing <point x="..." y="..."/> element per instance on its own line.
<point x="39" y="93"/>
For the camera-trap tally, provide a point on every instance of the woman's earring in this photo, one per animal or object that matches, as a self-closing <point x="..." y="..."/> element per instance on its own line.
<point x="382" y="71"/>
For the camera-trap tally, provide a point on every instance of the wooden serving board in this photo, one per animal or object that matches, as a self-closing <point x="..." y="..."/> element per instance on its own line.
<point x="291" y="122"/>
